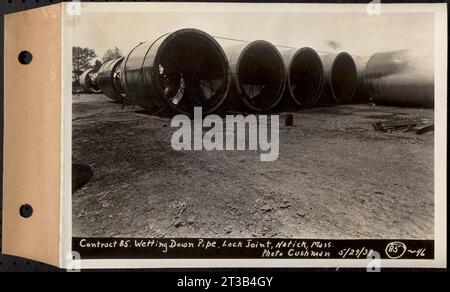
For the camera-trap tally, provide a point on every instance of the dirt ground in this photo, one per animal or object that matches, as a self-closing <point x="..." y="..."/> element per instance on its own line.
<point x="336" y="177"/>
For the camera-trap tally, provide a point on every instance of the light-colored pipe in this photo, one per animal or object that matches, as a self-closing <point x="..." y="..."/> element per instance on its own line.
<point x="339" y="77"/>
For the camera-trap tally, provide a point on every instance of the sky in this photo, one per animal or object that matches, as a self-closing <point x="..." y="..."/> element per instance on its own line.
<point x="124" y="25"/>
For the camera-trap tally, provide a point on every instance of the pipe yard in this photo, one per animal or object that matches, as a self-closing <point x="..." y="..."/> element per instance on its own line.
<point x="355" y="143"/>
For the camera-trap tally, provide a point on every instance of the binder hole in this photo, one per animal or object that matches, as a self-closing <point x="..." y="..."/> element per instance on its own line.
<point x="26" y="211"/>
<point x="25" y="57"/>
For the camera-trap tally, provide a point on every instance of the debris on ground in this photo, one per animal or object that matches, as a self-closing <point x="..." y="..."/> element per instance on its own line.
<point x="425" y="129"/>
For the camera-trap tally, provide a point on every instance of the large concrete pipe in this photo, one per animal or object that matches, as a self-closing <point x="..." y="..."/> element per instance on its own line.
<point x="340" y="77"/>
<point x="180" y="70"/>
<point x="361" y="93"/>
<point x="108" y="80"/>
<point x="403" y="78"/>
<point x="88" y="81"/>
<point x="304" y="75"/>
<point x="257" y="76"/>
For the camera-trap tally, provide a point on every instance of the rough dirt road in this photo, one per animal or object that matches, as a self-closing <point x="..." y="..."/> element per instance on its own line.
<point x="336" y="177"/>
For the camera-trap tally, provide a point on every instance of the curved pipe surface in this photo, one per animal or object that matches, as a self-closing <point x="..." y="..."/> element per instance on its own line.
<point x="304" y="75"/>
<point x="404" y="78"/>
<point x="88" y="81"/>
<point x="180" y="70"/>
<point x="108" y="80"/>
<point x="361" y="93"/>
<point x="257" y="76"/>
<point x="340" y="76"/>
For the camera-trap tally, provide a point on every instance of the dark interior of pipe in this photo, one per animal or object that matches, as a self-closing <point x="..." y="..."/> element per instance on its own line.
<point x="306" y="77"/>
<point x="192" y="71"/>
<point x="105" y="80"/>
<point x="260" y="76"/>
<point x="343" y="78"/>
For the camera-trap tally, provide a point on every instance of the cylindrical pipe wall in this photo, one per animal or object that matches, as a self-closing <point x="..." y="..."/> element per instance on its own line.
<point x="108" y="80"/>
<point x="361" y="93"/>
<point x="304" y="75"/>
<point x="402" y="78"/>
<point x="340" y="77"/>
<point x="88" y="81"/>
<point x="180" y="70"/>
<point x="257" y="76"/>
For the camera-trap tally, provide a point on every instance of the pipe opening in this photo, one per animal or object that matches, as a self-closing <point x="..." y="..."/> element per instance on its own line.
<point x="306" y="76"/>
<point x="343" y="78"/>
<point x="192" y="70"/>
<point x="261" y="76"/>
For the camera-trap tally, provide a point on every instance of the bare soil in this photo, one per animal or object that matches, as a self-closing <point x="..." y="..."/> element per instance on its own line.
<point x="336" y="177"/>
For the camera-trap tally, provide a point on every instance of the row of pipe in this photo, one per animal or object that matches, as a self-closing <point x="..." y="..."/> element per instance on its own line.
<point x="189" y="68"/>
<point x="88" y="81"/>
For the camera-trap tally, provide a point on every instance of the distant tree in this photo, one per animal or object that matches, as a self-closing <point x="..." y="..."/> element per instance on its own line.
<point x="81" y="61"/>
<point x="97" y="65"/>
<point x="112" y="55"/>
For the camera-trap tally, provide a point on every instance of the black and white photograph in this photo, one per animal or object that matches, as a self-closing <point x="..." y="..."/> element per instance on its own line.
<point x="249" y="123"/>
